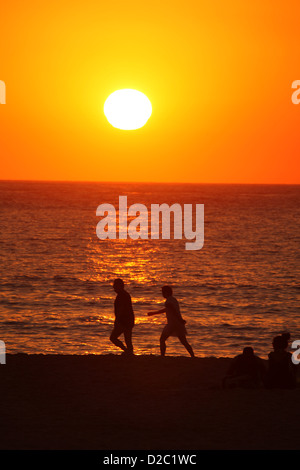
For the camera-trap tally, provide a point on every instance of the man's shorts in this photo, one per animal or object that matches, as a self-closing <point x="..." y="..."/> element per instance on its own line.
<point x="177" y="329"/>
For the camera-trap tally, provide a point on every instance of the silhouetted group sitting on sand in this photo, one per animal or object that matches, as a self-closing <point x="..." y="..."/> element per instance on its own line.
<point x="246" y="370"/>
<point x="249" y="371"/>
<point x="282" y="372"/>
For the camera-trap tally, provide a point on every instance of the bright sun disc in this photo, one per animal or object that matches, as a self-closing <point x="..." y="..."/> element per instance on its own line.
<point x="127" y="109"/>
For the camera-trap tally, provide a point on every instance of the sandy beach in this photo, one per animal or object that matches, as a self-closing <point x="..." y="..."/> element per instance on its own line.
<point x="145" y="402"/>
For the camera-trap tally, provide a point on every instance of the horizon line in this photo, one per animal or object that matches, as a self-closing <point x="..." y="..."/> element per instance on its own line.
<point x="146" y="182"/>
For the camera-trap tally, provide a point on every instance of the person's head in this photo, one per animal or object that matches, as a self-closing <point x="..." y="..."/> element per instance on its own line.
<point x="286" y="336"/>
<point x="118" y="285"/>
<point x="248" y="351"/>
<point x="280" y="342"/>
<point x="166" y="291"/>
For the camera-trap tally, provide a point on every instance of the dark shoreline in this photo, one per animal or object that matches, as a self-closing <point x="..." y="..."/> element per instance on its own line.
<point x="109" y="402"/>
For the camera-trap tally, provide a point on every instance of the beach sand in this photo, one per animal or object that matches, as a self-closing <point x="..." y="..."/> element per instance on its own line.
<point x="111" y="402"/>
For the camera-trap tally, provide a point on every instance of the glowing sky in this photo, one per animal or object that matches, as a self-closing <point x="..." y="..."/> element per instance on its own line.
<point x="218" y="75"/>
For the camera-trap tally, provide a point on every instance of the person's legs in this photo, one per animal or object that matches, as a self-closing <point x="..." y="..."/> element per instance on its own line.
<point x="187" y="346"/>
<point x="116" y="332"/>
<point x="162" y="341"/>
<point x="128" y="339"/>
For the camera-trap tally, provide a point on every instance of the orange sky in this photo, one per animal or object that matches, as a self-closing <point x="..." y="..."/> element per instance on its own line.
<point x="218" y="74"/>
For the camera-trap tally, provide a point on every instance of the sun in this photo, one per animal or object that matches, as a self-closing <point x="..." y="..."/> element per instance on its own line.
<point x="127" y="109"/>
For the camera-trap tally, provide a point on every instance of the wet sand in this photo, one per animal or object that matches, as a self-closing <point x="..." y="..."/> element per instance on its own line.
<point x="111" y="402"/>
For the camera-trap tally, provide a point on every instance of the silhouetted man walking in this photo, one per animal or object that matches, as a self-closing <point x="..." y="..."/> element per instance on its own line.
<point x="124" y="318"/>
<point x="175" y="323"/>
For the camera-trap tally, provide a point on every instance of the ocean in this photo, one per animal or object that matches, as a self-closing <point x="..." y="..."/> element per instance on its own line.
<point x="241" y="289"/>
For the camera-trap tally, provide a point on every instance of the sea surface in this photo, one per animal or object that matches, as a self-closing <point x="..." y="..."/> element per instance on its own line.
<point x="56" y="276"/>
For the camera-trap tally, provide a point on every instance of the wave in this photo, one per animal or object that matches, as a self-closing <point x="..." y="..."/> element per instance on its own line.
<point x="25" y="277"/>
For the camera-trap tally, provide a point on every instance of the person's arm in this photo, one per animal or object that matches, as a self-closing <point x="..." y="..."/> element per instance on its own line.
<point x="156" y="312"/>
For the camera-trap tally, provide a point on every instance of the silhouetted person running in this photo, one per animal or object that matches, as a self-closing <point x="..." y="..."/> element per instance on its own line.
<point x="175" y="324"/>
<point x="124" y="318"/>
<point x="246" y="370"/>
<point x="281" y="370"/>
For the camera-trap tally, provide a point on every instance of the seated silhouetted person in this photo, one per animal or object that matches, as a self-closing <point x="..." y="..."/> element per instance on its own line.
<point x="246" y="370"/>
<point x="281" y="370"/>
